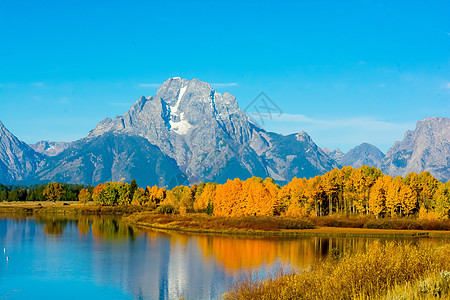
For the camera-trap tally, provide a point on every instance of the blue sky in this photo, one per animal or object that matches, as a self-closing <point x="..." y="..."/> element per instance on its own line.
<point x="346" y="72"/>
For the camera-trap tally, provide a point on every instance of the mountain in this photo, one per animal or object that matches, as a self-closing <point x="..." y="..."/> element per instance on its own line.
<point x="185" y="134"/>
<point x="335" y="154"/>
<point x="111" y="157"/>
<point x="50" y="148"/>
<point x="17" y="159"/>
<point x="294" y="155"/>
<point x="188" y="133"/>
<point x="211" y="138"/>
<point x="427" y="148"/>
<point x="364" y="154"/>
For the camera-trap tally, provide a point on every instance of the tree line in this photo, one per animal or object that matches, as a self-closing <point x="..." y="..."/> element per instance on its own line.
<point x="68" y="192"/>
<point x="346" y="191"/>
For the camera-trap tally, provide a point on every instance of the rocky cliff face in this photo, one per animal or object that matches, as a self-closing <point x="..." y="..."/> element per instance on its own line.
<point x="427" y="148"/>
<point x="50" y="148"/>
<point x="364" y="154"/>
<point x="111" y="157"/>
<point x="335" y="154"/>
<point x="211" y="138"/>
<point x="17" y="159"/>
<point x="185" y="134"/>
<point x="189" y="133"/>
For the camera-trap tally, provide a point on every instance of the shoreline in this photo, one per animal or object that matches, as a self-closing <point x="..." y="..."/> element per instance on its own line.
<point x="198" y="223"/>
<point x="330" y="232"/>
<point x="175" y="223"/>
<point x="66" y="208"/>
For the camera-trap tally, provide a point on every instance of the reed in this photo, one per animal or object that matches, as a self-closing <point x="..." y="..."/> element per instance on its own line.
<point x="371" y="274"/>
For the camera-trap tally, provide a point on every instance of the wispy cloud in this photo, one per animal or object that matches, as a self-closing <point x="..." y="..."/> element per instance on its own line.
<point x="149" y="85"/>
<point x="447" y="86"/>
<point x="224" y="84"/>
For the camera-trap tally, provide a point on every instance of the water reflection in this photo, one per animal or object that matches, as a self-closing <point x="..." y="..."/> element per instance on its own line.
<point x="105" y="255"/>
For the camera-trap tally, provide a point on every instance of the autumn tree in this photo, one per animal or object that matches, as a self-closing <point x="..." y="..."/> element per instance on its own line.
<point x="205" y="194"/>
<point x="429" y="186"/>
<point x="229" y="198"/>
<point x="96" y="193"/>
<point x="377" y="198"/>
<point x="408" y="200"/>
<point x="442" y="200"/>
<point x="54" y="191"/>
<point x="332" y="182"/>
<point x="393" y="200"/>
<point x="316" y="195"/>
<point x="138" y="196"/>
<point x="84" y="196"/>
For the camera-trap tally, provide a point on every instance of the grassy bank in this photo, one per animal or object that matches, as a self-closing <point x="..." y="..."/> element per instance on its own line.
<point x="226" y="225"/>
<point x="65" y="208"/>
<point x="383" y="271"/>
<point x="277" y="226"/>
<point x="371" y="222"/>
<point x="328" y="226"/>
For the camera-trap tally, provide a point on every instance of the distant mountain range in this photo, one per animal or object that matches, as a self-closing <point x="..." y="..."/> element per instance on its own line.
<point x="427" y="148"/>
<point x="188" y="133"/>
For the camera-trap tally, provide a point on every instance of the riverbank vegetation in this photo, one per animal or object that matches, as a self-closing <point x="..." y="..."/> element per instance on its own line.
<point x="345" y="197"/>
<point x="382" y="271"/>
<point x="204" y="223"/>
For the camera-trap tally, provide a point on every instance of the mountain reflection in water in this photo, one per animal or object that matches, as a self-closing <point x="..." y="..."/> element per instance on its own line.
<point x="104" y="258"/>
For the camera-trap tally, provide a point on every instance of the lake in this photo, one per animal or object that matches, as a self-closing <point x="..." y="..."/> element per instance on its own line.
<point x="100" y="257"/>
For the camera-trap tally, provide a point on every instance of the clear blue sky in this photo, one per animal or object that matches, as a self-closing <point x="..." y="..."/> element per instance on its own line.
<point x="346" y="72"/>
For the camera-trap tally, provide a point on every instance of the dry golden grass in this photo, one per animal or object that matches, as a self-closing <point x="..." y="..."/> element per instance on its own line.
<point x="64" y="208"/>
<point x="435" y="286"/>
<point x="205" y="223"/>
<point x="371" y="222"/>
<point x="281" y="226"/>
<point x="366" y="275"/>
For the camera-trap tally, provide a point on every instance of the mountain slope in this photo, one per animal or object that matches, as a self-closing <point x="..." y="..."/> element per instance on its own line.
<point x="210" y="137"/>
<point x="427" y="148"/>
<point x="335" y="154"/>
<point x="17" y="159"/>
<point x="294" y="155"/>
<point x="50" y="148"/>
<point x="364" y="154"/>
<point x="111" y="157"/>
<point x="186" y="133"/>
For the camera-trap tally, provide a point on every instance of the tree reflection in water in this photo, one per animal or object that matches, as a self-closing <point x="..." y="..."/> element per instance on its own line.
<point x="101" y="226"/>
<point x="154" y="264"/>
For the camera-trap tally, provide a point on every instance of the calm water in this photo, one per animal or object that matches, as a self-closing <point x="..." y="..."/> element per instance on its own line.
<point x="99" y="257"/>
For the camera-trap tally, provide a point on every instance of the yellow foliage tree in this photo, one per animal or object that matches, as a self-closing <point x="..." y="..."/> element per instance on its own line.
<point x="54" y="191"/>
<point x="96" y="193"/>
<point x="408" y="200"/>
<point x="377" y="199"/>
<point x="84" y="196"/>
<point x="393" y="201"/>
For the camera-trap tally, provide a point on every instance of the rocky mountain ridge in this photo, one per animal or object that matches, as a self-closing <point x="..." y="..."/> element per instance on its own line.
<point x="188" y="133"/>
<point x="17" y="160"/>
<point x="364" y="154"/>
<point x="204" y="132"/>
<point x="427" y="148"/>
